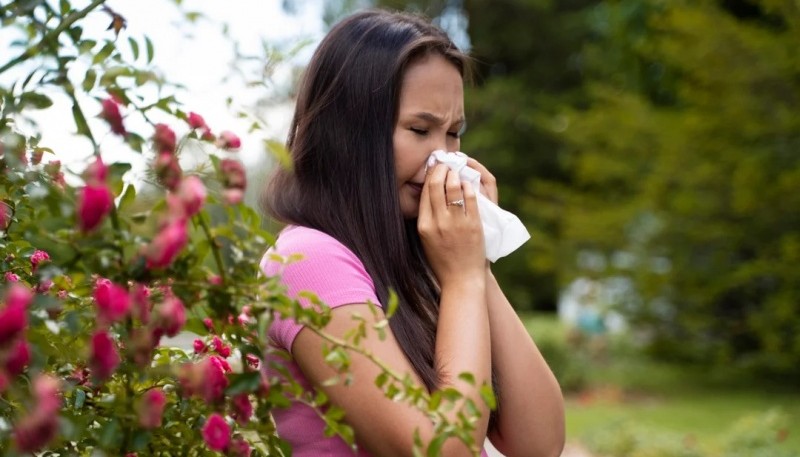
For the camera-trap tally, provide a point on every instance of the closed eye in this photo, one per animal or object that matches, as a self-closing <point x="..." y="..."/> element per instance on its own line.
<point x="421" y="132"/>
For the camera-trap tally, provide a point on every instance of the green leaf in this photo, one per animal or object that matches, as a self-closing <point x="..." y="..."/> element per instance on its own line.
<point x="127" y="198"/>
<point x="35" y="100"/>
<point x="64" y="7"/>
<point x="89" y="80"/>
<point x="104" y="53"/>
<point x="488" y="396"/>
<point x="149" y="46"/>
<point x="134" y="47"/>
<point x="392" y="306"/>
<point x="80" y="121"/>
<point x="435" y="447"/>
<point x="86" y="46"/>
<point x="243" y="382"/>
<point x="279" y="151"/>
<point x="80" y="398"/>
<point x="468" y="377"/>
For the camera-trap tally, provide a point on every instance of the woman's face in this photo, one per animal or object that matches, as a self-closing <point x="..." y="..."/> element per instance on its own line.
<point x="430" y="117"/>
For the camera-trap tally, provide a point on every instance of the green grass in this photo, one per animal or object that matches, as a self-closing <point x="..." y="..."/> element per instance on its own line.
<point x="622" y="386"/>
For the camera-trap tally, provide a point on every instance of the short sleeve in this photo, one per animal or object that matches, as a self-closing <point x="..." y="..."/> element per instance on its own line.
<point x="327" y="268"/>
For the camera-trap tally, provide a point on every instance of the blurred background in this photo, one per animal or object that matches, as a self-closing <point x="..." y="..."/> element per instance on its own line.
<point x="652" y="148"/>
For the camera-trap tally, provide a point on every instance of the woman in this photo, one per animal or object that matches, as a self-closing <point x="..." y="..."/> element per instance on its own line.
<point x="383" y="91"/>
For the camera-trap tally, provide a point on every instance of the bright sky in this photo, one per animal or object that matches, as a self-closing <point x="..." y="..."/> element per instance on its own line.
<point x="196" y="55"/>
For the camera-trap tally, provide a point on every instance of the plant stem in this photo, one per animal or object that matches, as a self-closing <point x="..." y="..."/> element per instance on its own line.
<point x="214" y="248"/>
<point x="32" y="50"/>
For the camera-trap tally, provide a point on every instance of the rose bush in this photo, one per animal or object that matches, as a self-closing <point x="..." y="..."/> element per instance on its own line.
<point x="95" y="277"/>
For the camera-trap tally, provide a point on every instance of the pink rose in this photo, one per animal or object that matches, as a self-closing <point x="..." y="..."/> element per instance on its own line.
<point x="39" y="257"/>
<point x="216" y="433"/>
<point x="206" y="379"/>
<point x="18" y="358"/>
<point x="11" y="277"/>
<point x="167" y="244"/>
<point x="110" y="112"/>
<point x="94" y="203"/>
<point x="242" y="408"/>
<point x="229" y="140"/>
<point x="14" y="316"/>
<point x="44" y="286"/>
<point x="252" y="361"/>
<point x="233" y="174"/>
<point x="199" y="346"/>
<point x="151" y="408"/>
<point x="196" y="121"/>
<point x="220" y="347"/>
<point x="104" y="358"/>
<point x="164" y="139"/>
<point x="113" y="301"/>
<point x="36" y="156"/>
<point x="239" y="447"/>
<point x="192" y="194"/>
<point x="168" y="170"/>
<point x="171" y="316"/>
<point x="39" y="427"/>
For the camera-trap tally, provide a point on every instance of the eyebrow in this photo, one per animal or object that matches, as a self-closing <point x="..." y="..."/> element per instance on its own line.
<point x="430" y="117"/>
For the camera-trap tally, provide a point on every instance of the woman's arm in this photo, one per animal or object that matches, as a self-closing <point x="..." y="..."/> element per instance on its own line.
<point x="453" y="241"/>
<point x="531" y="408"/>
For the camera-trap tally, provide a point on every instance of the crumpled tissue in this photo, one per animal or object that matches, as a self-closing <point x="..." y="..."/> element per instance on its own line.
<point x="503" y="232"/>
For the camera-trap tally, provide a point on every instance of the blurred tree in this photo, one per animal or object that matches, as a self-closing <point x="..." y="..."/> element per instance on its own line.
<point x="686" y="173"/>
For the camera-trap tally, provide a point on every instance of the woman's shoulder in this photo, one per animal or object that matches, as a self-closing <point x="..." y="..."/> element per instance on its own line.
<point x="306" y="251"/>
<point x="305" y="242"/>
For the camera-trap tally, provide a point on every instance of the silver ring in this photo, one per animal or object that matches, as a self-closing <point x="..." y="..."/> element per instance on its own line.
<point x="456" y="203"/>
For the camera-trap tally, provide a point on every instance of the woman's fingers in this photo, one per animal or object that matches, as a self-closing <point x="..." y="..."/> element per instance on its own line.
<point x="454" y="198"/>
<point x="488" y="181"/>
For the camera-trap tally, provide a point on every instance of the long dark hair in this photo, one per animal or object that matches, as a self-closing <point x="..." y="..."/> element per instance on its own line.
<point x="343" y="181"/>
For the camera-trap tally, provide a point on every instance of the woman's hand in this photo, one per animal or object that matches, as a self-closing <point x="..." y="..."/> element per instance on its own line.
<point x="450" y="227"/>
<point x="488" y="181"/>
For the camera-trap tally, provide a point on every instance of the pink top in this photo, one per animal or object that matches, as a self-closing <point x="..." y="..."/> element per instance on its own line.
<point x="337" y="277"/>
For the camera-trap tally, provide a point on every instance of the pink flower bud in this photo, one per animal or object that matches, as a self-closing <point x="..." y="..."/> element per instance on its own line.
<point x="215" y="280"/>
<point x="18" y="358"/>
<point x="168" y="170"/>
<point x="94" y="203"/>
<point x="199" y="346"/>
<point x="151" y="408"/>
<point x="196" y="121"/>
<point x="104" y="358"/>
<point x="171" y="316"/>
<point x="229" y="140"/>
<point x="5" y="215"/>
<point x="11" y="277"/>
<point x="39" y="427"/>
<point x="141" y="302"/>
<point x="164" y="139"/>
<point x="167" y="244"/>
<point x="216" y="433"/>
<point x="14" y="316"/>
<point x="232" y="196"/>
<point x="96" y="173"/>
<point x="233" y="174"/>
<point x="239" y="447"/>
<point x="242" y="408"/>
<point x="192" y="193"/>
<point x="39" y="257"/>
<point x="110" y="112"/>
<point x="209" y="324"/>
<point x="113" y="301"/>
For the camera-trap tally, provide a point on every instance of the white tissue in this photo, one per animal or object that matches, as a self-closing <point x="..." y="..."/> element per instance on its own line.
<point x="503" y="232"/>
